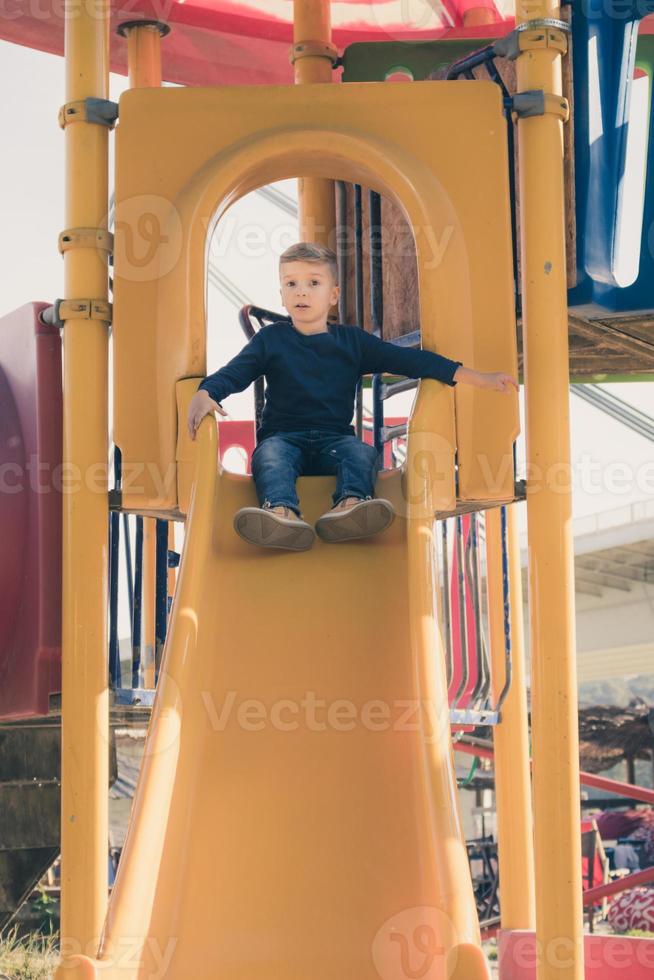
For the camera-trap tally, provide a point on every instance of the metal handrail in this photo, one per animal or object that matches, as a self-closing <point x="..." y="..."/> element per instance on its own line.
<point x="447" y="625"/>
<point x="479" y="693"/>
<point x="481" y="710"/>
<point x="463" y="620"/>
<point x="396" y="387"/>
<point x="508" y="663"/>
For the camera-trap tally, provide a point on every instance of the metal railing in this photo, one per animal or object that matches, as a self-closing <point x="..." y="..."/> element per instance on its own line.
<point x="465" y="555"/>
<point x="134" y="693"/>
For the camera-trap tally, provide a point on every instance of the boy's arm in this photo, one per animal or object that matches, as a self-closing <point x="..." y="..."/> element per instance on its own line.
<point x="238" y="373"/>
<point x="378" y="356"/>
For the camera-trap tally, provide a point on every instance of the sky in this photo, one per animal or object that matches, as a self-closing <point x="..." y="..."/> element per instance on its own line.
<point x="612" y="466"/>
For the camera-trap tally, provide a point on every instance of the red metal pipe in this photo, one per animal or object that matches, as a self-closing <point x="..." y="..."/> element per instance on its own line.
<point x="478" y="750"/>
<point x="585" y="778"/>
<point x="593" y="895"/>
<point x="622" y="789"/>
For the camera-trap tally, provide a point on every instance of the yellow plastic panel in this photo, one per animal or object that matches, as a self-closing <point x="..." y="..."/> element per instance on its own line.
<point x="488" y="422"/>
<point x="296" y="815"/>
<point x="184" y="155"/>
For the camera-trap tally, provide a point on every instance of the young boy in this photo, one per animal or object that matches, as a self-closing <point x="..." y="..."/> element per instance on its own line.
<point x="312" y="369"/>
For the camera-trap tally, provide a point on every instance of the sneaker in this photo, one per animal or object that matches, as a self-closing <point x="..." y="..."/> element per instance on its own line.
<point x="269" y="529"/>
<point x="357" y="520"/>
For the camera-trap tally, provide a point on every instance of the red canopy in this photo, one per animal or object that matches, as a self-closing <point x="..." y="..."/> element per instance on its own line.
<point x="247" y="42"/>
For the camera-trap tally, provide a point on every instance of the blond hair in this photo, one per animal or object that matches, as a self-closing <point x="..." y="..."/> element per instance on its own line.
<point x="311" y="252"/>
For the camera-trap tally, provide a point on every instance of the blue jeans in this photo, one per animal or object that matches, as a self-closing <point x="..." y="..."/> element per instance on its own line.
<point x="280" y="458"/>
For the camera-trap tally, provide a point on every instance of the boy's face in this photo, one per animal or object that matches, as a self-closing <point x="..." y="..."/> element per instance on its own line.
<point x="307" y="290"/>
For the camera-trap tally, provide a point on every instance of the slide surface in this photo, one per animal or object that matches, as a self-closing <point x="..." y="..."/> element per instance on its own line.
<point x="296" y="814"/>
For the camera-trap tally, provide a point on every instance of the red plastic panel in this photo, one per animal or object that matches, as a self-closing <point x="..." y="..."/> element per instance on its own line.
<point x="607" y="957"/>
<point x="236" y="432"/>
<point x="30" y="512"/>
<point x="247" y="42"/>
<point x="589" y="827"/>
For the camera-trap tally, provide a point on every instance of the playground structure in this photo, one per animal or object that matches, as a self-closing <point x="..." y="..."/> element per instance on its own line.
<point x="350" y="837"/>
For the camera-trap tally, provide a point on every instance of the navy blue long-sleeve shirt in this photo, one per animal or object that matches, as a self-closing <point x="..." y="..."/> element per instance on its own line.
<point x="312" y="378"/>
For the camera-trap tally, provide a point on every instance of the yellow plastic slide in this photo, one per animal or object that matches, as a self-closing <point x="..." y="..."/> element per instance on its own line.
<point x="296" y="816"/>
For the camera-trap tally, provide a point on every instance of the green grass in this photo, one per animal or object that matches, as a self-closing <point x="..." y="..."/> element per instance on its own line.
<point x="32" y="957"/>
<point x="490" y="949"/>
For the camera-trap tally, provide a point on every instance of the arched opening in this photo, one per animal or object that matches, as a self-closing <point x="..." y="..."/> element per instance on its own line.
<point x="242" y="269"/>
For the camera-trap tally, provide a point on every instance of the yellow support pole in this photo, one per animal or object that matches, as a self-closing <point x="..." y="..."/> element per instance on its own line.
<point x="555" y="740"/>
<point x="143" y="51"/>
<point x="317" y="202"/>
<point x="144" y="68"/>
<point x="511" y="736"/>
<point x="144" y="56"/>
<point x="85" y="695"/>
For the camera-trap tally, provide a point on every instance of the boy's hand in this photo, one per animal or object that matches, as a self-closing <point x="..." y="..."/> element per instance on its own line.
<point x="491" y="380"/>
<point x="499" y="381"/>
<point x="201" y="404"/>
